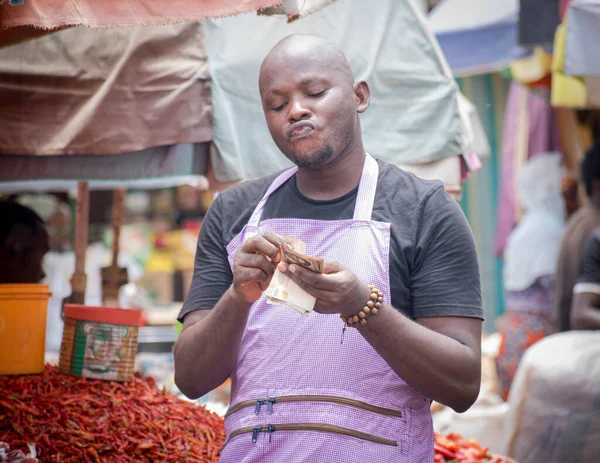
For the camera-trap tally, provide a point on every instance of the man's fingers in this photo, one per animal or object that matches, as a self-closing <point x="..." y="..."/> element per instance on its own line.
<point x="313" y="291"/>
<point x="260" y="245"/>
<point x="256" y="261"/>
<point x="274" y="239"/>
<point x="249" y="275"/>
<point x="332" y="267"/>
<point x="312" y="279"/>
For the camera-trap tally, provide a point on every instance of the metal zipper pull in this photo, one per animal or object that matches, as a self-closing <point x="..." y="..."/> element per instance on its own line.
<point x="270" y="403"/>
<point x="271" y="430"/>
<point x="343" y="332"/>
<point x="255" y="432"/>
<point x="259" y="402"/>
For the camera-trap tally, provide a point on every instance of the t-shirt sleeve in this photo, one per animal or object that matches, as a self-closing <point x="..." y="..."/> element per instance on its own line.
<point x="212" y="273"/>
<point x="445" y="271"/>
<point x="588" y="280"/>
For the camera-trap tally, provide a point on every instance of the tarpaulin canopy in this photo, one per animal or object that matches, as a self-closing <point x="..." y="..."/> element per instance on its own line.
<point x="582" y="54"/>
<point x="296" y="9"/>
<point x="538" y="20"/>
<point x="51" y="14"/>
<point x="417" y="114"/>
<point x="574" y="91"/>
<point x="477" y="36"/>
<point x="159" y="167"/>
<point x="105" y="91"/>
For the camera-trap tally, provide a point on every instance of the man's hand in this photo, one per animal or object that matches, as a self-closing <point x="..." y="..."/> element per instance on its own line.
<point x="337" y="289"/>
<point x="254" y="265"/>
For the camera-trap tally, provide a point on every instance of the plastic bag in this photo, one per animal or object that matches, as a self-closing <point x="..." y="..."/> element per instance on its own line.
<point x="554" y="402"/>
<point x="17" y="456"/>
<point x="484" y="421"/>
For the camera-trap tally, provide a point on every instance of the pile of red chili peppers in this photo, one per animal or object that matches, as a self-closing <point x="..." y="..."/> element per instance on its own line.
<point x="454" y="449"/>
<point x="71" y="419"/>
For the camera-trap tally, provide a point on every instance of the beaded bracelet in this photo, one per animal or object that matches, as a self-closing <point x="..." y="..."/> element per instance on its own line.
<point x="370" y="309"/>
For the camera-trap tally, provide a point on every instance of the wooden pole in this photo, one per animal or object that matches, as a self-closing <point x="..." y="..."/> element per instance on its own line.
<point x="115" y="276"/>
<point x="82" y="216"/>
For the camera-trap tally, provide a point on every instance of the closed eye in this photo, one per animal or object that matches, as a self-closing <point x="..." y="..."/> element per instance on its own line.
<point x="278" y="108"/>
<point x="317" y="94"/>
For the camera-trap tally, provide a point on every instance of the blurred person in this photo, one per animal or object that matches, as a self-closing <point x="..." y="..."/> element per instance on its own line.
<point x="585" y="310"/>
<point x="578" y="229"/>
<point x="24" y="242"/>
<point x="530" y="261"/>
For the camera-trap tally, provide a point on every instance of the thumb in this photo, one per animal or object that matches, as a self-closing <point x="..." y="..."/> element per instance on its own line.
<point x="332" y="267"/>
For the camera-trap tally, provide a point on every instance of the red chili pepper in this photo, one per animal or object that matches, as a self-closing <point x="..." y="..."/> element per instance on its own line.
<point x="74" y="419"/>
<point x="444" y="451"/>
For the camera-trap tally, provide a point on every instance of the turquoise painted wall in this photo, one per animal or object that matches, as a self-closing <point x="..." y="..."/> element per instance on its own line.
<point x="480" y="195"/>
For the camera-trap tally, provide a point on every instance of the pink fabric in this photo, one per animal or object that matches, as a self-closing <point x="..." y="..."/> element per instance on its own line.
<point x="283" y="353"/>
<point x="541" y="139"/>
<point x="564" y="5"/>
<point x="50" y="14"/>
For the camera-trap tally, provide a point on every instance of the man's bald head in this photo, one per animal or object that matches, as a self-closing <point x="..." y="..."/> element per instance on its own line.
<point x="311" y="101"/>
<point x="297" y="48"/>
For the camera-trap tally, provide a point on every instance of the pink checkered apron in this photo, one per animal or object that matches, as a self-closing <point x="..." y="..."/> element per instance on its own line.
<point x="298" y="395"/>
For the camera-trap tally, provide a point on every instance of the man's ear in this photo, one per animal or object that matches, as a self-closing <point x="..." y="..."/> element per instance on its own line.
<point x="363" y="96"/>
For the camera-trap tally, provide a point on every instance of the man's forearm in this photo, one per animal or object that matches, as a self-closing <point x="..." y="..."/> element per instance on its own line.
<point x="206" y="352"/>
<point x="441" y="368"/>
<point x="587" y="319"/>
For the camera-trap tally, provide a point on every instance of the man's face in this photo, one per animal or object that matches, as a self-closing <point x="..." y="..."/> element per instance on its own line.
<point x="310" y="108"/>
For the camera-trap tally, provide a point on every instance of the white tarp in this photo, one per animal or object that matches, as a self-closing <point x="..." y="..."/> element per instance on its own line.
<point x="582" y="55"/>
<point x="415" y="115"/>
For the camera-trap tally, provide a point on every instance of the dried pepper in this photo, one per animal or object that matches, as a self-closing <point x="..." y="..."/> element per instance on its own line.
<point x="454" y="449"/>
<point x="71" y="419"/>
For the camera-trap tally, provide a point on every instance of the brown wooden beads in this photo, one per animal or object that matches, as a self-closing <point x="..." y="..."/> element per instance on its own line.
<point x="370" y="309"/>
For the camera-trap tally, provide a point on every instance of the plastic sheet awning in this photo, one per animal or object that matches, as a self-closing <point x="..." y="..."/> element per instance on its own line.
<point x="582" y="54"/>
<point x="159" y="167"/>
<point x="417" y="114"/>
<point x="105" y="91"/>
<point x="477" y="36"/>
<point x="52" y="14"/>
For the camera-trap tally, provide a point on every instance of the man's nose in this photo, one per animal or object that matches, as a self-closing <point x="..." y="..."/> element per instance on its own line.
<point x="298" y="111"/>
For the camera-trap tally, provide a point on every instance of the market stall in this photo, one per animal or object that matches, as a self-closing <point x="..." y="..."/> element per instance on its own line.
<point x="98" y="145"/>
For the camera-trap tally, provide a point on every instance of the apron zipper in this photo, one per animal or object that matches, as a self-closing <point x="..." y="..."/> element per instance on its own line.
<point x="314" y="427"/>
<point x="311" y="398"/>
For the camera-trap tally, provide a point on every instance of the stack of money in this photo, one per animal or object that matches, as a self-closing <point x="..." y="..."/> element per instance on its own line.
<point x="284" y="291"/>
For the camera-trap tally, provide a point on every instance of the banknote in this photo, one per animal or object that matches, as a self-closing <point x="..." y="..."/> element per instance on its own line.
<point x="284" y="291"/>
<point x="296" y="244"/>
<point x="314" y="264"/>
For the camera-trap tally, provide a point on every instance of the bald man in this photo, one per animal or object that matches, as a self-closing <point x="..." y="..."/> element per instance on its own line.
<point x="397" y="320"/>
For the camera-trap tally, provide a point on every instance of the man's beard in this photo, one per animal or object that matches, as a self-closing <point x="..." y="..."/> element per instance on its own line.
<point x="318" y="159"/>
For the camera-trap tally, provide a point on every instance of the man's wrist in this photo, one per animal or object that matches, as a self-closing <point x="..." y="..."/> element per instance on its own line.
<point x="356" y="305"/>
<point x="237" y="299"/>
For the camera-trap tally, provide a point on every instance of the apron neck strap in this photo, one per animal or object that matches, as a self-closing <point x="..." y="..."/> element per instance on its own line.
<point x="280" y="180"/>
<point x="364" y="200"/>
<point x="366" y="189"/>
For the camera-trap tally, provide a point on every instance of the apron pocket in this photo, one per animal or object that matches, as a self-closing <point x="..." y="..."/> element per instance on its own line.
<point x="312" y="427"/>
<point x="271" y="401"/>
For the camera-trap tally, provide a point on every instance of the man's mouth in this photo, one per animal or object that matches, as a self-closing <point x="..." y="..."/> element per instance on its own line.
<point x="300" y="129"/>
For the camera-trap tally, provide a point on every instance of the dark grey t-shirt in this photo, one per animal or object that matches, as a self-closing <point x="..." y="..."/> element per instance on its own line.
<point x="590" y="263"/>
<point x="433" y="262"/>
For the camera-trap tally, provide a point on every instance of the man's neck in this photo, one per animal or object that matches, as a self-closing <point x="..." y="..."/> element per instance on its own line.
<point x="334" y="180"/>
